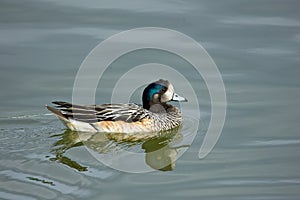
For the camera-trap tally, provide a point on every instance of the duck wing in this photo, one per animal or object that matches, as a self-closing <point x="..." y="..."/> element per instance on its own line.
<point x="104" y="112"/>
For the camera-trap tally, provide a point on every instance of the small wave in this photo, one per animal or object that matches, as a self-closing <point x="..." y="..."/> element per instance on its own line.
<point x="272" y="143"/>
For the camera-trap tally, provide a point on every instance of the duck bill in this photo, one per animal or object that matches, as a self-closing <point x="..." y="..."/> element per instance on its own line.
<point x="176" y="97"/>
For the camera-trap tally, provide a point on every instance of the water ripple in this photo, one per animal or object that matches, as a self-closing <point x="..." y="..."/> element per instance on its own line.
<point x="266" y="143"/>
<point x="53" y="185"/>
<point x="257" y="181"/>
<point x="271" y="21"/>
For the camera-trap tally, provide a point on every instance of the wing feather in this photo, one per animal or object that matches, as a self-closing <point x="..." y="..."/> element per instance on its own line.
<point x="104" y="112"/>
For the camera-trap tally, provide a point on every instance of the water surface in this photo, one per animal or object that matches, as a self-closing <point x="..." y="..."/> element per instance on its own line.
<point x="255" y="44"/>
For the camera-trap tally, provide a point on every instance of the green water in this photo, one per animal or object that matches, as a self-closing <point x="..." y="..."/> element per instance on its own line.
<point x="255" y="45"/>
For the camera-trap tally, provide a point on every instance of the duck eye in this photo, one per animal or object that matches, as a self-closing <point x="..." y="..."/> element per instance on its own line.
<point x="164" y="90"/>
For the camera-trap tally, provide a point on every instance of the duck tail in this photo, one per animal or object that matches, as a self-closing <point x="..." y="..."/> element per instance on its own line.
<point x="55" y="111"/>
<point x="62" y="118"/>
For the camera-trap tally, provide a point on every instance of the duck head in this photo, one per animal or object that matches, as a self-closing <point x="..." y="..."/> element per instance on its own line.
<point x="159" y="92"/>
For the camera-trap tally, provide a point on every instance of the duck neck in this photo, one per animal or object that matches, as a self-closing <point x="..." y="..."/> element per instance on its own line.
<point x="146" y="103"/>
<point x="158" y="107"/>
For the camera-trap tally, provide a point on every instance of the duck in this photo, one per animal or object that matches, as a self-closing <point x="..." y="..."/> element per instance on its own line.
<point x="154" y="115"/>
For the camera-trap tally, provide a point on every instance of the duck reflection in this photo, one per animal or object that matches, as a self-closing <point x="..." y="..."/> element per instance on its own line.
<point x="160" y="153"/>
